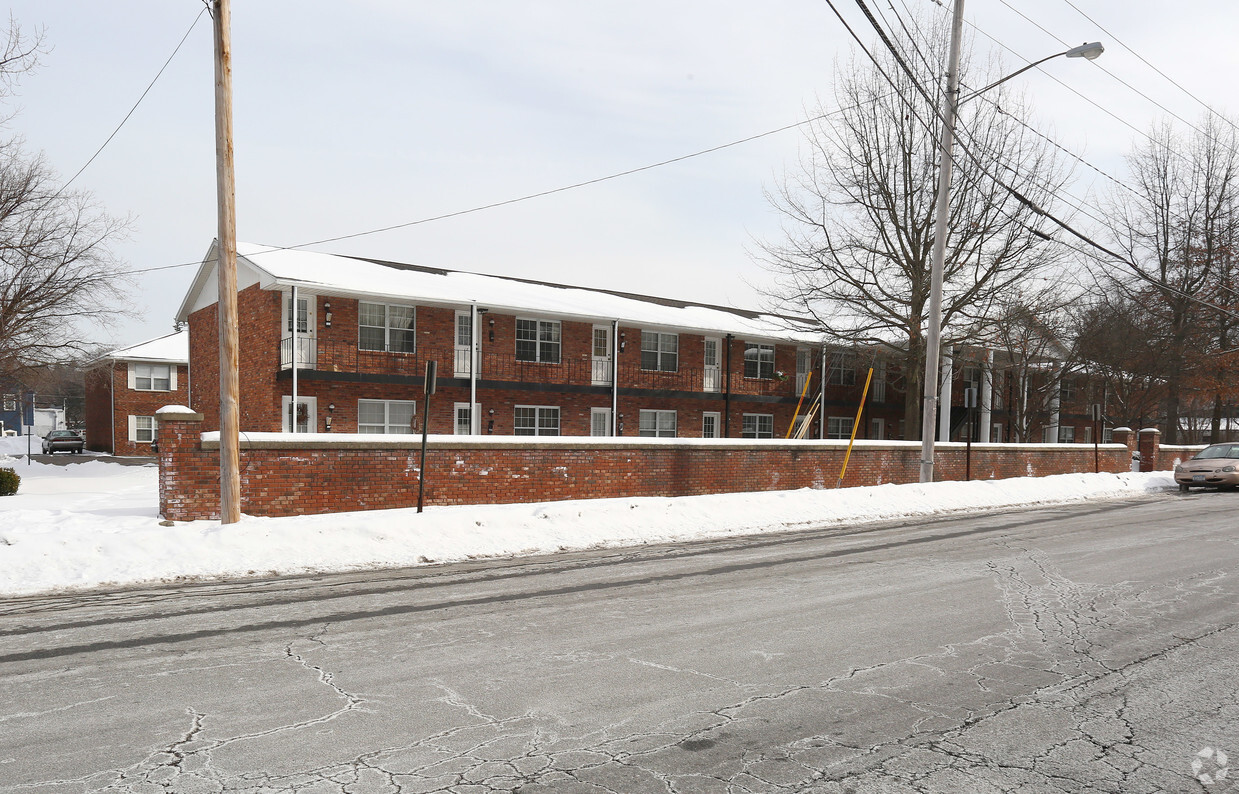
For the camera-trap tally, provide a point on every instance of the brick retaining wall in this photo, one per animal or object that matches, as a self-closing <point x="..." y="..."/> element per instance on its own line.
<point x="291" y="475"/>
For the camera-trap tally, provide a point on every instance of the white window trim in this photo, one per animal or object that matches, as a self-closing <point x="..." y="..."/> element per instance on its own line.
<point x="659" y="352"/>
<point x="756" y="421"/>
<point x="387" y="328"/>
<point x="133" y="429"/>
<point x="387" y="414"/>
<point x="133" y="375"/>
<point x="538" y="359"/>
<point x="760" y="347"/>
<point x="537" y="424"/>
<point x="718" y="423"/>
<point x="846" y="420"/>
<point x="659" y="415"/>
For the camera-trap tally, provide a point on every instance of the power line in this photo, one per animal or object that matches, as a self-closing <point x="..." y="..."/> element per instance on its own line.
<point x="1142" y="59"/>
<point x="135" y="105"/>
<point x="527" y="197"/>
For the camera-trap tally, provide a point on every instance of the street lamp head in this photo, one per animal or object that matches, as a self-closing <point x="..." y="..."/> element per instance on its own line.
<point x="1086" y="50"/>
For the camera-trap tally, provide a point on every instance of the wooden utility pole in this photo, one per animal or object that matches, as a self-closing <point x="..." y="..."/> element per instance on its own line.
<point x="229" y="414"/>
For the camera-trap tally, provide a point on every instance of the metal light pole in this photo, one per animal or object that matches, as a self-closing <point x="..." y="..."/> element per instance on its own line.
<point x="933" y="337"/>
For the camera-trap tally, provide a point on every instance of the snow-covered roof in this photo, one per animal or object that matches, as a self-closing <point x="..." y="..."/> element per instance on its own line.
<point x="333" y="274"/>
<point x="172" y="348"/>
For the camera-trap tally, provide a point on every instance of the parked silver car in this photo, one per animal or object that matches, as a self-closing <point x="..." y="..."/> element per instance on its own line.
<point x="1217" y="466"/>
<point x="63" y="441"/>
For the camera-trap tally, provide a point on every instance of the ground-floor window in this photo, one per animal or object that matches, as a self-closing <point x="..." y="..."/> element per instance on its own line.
<point x="385" y="416"/>
<point x="1066" y="435"/>
<point x="757" y="426"/>
<point x="659" y="424"/>
<point x="710" y="424"/>
<point x="142" y="429"/>
<point x="838" y="427"/>
<point x="536" y="420"/>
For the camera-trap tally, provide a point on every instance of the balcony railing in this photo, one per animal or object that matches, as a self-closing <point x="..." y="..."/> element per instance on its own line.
<point x="337" y="356"/>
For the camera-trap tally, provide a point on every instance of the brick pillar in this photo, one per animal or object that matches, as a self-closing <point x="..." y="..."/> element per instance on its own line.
<point x="1149" y="444"/>
<point x="178" y="434"/>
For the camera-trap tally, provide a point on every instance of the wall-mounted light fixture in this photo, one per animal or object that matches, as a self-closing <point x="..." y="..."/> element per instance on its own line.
<point x="331" y="406"/>
<point x="623" y="341"/>
<point x="492" y="329"/>
<point x="327" y="314"/>
<point x="327" y="423"/>
<point x="490" y="425"/>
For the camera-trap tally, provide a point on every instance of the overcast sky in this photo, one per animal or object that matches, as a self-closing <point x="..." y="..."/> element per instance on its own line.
<point x="358" y="115"/>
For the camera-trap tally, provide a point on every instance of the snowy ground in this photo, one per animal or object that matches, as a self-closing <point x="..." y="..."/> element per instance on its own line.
<point x="96" y="523"/>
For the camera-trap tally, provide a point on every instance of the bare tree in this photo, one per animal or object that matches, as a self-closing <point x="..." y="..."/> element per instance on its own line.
<point x="858" y="231"/>
<point x="1034" y="357"/>
<point x="57" y="272"/>
<point x="1178" y="230"/>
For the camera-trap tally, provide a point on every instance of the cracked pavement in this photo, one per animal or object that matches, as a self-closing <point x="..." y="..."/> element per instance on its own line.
<point x="1088" y="648"/>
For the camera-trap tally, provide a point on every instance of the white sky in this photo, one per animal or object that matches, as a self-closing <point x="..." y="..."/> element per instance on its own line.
<point x="351" y="116"/>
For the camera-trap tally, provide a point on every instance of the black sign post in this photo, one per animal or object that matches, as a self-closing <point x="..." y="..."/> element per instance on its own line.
<point x="429" y="388"/>
<point x="970" y="402"/>
<point x="1096" y="438"/>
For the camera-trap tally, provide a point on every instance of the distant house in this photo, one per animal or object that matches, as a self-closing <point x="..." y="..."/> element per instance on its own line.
<point x="126" y="387"/>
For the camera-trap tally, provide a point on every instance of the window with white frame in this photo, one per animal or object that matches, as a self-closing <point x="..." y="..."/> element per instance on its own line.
<point x="463" y="424"/>
<point x="660" y="351"/>
<point x="152" y="377"/>
<point x="536" y="420"/>
<point x="1067" y="390"/>
<point x="386" y="327"/>
<point x="710" y="424"/>
<point x="385" y="416"/>
<point x="656" y="424"/>
<point x="757" y="426"/>
<point x="10" y="402"/>
<point x="1066" y="435"/>
<point x="879" y="382"/>
<point x="142" y="429"/>
<point x="537" y="340"/>
<point x="839" y="427"/>
<point x="758" y="360"/>
<point x="303" y="314"/>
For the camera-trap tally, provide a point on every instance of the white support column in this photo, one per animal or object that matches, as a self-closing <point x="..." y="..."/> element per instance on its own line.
<point x="944" y="406"/>
<point x="987" y="397"/>
<point x="475" y="344"/>
<point x="294" y="315"/>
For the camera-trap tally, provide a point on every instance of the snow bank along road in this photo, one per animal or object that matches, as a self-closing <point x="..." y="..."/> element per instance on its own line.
<point x="96" y="523"/>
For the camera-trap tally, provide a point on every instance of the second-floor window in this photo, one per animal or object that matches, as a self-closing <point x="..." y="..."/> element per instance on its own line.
<point x="842" y="375"/>
<point x="537" y="340"/>
<point x="660" y="351"/>
<point x="758" y="361"/>
<point x="152" y="377"/>
<point x="386" y="327"/>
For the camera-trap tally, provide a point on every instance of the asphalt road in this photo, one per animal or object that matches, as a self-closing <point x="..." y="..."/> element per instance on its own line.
<point x="1090" y="648"/>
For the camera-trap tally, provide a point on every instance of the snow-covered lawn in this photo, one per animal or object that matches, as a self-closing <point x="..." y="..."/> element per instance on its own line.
<point x="96" y="523"/>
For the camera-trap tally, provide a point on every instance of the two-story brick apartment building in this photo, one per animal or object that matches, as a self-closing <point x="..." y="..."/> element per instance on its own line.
<point x="126" y="387"/>
<point x="339" y="344"/>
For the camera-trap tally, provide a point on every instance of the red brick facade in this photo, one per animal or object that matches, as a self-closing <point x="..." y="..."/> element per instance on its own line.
<point x="303" y="475"/>
<point x="112" y="407"/>
<point x="338" y="374"/>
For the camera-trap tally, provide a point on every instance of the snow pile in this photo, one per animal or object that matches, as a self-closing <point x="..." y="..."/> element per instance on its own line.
<point x="96" y="523"/>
